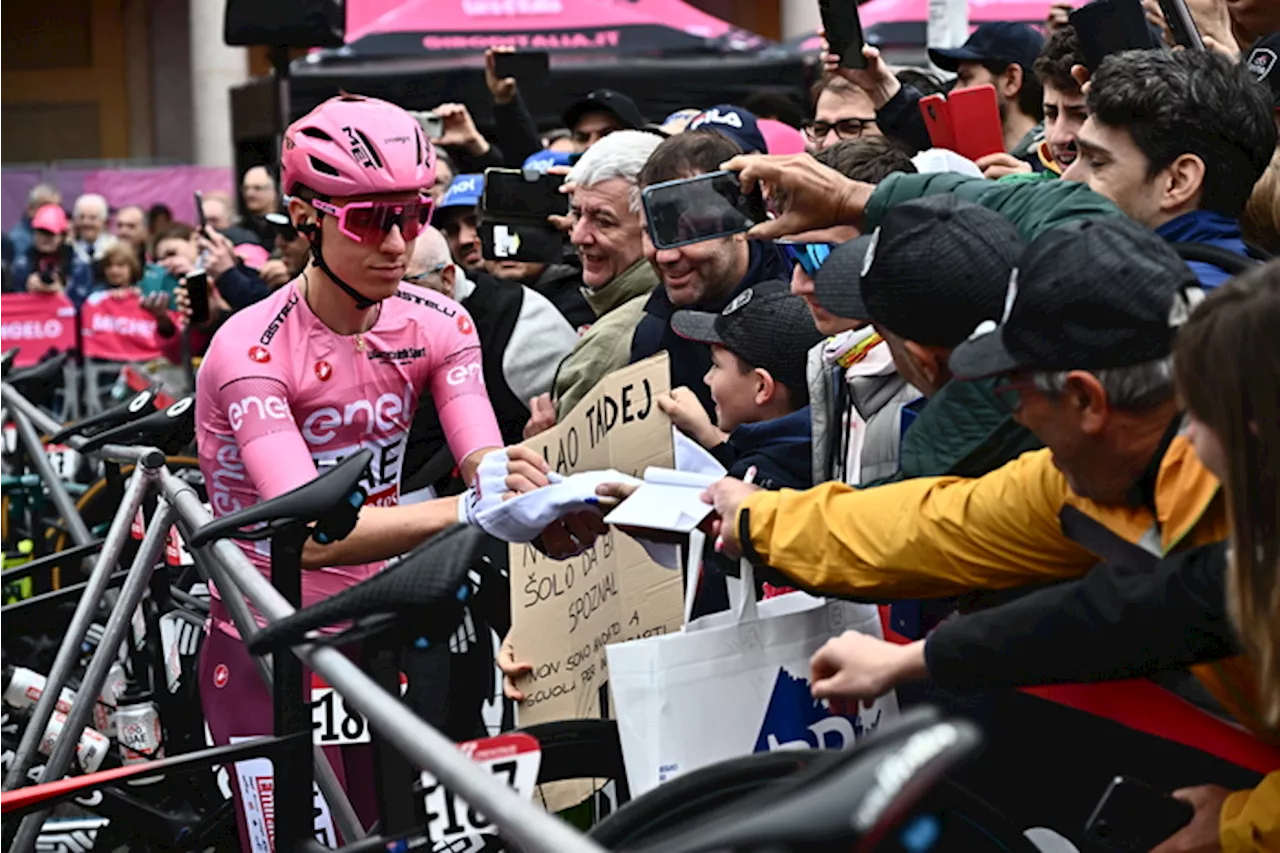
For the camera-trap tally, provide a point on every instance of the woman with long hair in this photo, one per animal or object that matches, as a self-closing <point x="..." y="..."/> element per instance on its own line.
<point x="1227" y="365"/>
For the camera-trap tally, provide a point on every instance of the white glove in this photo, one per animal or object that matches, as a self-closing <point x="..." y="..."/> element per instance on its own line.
<point x="487" y="486"/>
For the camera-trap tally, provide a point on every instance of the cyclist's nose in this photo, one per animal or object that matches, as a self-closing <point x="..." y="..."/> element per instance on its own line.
<point x="394" y="243"/>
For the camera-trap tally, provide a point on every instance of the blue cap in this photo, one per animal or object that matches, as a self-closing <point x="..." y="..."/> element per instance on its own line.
<point x="1005" y="41"/>
<point x="464" y="191"/>
<point x="734" y="122"/>
<point x="544" y="160"/>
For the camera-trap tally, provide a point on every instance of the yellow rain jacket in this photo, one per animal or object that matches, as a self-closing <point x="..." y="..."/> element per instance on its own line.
<point x="1019" y="525"/>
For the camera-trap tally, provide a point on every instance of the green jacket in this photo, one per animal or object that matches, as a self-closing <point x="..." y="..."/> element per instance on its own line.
<point x="606" y="346"/>
<point x="1033" y="206"/>
<point x="964" y="431"/>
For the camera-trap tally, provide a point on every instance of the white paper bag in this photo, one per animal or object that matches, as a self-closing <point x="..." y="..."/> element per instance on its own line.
<point x="733" y="683"/>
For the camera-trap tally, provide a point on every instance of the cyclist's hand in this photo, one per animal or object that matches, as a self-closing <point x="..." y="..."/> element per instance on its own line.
<point x="542" y="415"/>
<point x="816" y="196"/>
<point x="857" y="668"/>
<point x="511" y="669"/>
<point x="502" y="89"/>
<point x="998" y="165"/>
<point x="1201" y="835"/>
<point x="526" y="470"/>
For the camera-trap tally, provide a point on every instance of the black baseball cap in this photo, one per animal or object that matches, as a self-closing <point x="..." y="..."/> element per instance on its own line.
<point x="936" y="268"/>
<point x="1094" y="294"/>
<point x="765" y="325"/>
<point x="1263" y="63"/>
<point x="606" y="100"/>
<point x="837" y="285"/>
<point x="1006" y="41"/>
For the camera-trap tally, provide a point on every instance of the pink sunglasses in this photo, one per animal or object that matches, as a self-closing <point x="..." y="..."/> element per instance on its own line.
<point x="370" y="222"/>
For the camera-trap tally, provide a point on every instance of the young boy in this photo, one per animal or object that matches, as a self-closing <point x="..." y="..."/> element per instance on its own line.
<point x="759" y="346"/>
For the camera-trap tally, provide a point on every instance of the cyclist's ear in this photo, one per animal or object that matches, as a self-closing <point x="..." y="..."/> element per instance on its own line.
<point x="303" y="217"/>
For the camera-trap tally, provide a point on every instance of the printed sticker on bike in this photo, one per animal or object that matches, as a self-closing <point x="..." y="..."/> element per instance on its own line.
<point x="333" y="722"/>
<point x="513" y="759"/>
<point x="258" y="800"/>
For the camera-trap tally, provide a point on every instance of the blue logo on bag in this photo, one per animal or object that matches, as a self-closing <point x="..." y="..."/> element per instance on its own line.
<point x="795" y="720"/>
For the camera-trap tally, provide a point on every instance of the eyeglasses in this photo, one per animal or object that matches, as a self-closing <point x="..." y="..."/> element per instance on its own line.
<point x="420" y="277"/>
<point x="845" y="128"/>
<point x="1009" y="392"/>
<point x="370" y="222"/>
<point x="810" y="256"/>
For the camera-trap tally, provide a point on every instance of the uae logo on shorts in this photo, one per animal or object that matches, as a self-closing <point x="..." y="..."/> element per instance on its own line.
<point x="323" y="370"/>
<point x="259" y="354"/>
<point x="221" y="675"/>
<point x="464" y="324"/>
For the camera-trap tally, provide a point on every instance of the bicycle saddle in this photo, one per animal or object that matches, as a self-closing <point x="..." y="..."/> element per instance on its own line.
<point x="425" y="592"/>
<point x="38" y="377"/>
<point x="6" y="360"/>
<point x="332" y="500"/>
<point x="854" y="801"/>
<point x="170" y="429"/>
<point x="139" y="405"/>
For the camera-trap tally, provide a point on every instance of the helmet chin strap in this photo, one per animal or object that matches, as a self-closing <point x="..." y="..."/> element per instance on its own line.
<point x="362" y="301"/>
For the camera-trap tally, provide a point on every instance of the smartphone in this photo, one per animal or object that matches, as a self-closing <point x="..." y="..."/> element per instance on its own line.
<point x="204" y="223"/>
<point x="1105" y="27"/>
<point x="432" y="125"/>
<point x="695" y="209"/>
<point x="197" y="283"/>
<point x="1181" y="24"/>
<point x="1134" y="816"/>
<point x="526" y="242"/>
<point x="516" y="194"/>
<point x="524" y="65"/>
<point x="937" y="120"/>
<point x="844" y="31"/>
<point x="975" y="121"/>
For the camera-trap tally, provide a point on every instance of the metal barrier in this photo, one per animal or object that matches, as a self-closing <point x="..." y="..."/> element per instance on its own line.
<point x="223" y="562"/>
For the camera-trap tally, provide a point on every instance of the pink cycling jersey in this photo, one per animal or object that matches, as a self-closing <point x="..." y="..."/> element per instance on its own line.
<point x="281" y="395"/>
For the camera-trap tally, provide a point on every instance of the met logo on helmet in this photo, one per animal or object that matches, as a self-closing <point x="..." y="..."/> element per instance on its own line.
<point x="388" y="412"/>
<point x="359" y="151"/>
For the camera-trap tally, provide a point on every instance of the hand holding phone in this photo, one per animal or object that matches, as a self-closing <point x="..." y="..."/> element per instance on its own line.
<point x="196" y="284"/>
<point x="1181" y="24"/>
<point x="843" y="28"/>
<point x="967" y="121"/>
<point x="1134" y="816"/>
<point x="529" y="66"/>
<point x="204" y="223"/>
<point x="1104" y="28"/>
<point x="705" y="207"/>
<point x="432" y="125"/>
<point x="513" y="194"/>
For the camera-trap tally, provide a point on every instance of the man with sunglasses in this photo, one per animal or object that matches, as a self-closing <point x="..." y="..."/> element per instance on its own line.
<point x="337" y="361"/>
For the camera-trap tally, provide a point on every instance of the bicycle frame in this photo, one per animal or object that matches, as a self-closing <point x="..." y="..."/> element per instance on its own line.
<point x="226" y="565"/>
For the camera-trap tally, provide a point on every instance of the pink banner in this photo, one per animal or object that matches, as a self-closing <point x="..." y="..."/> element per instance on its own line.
<point x="117" y="328"/>
<point x="37" y="323"/>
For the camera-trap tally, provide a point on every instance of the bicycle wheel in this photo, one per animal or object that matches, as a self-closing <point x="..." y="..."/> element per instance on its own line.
<point x="581" y="750"/>
<point x="692" y="796"/>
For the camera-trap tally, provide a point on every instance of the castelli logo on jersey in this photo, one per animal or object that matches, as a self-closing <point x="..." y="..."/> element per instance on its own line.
<point x="221" y="675"/>
<point x="384" y="414"/>
<point x="323" y="370"/>
<point x="464" y="324"/>
<point x="259" y="354"/>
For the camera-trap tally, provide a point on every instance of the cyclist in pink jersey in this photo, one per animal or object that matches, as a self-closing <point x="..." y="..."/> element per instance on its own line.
<point x="336" y="361"/>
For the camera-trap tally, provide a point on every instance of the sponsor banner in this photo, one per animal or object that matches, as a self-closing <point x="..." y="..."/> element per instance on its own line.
<point x="37" y="323"/>
<point x="118" y="328"/>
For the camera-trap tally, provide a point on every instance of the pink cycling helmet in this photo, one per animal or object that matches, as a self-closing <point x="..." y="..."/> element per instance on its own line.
<point x="352" y="145"/>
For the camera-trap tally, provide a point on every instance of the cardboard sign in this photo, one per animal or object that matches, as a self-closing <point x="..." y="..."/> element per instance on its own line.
<point x="37" y="323"/>
<point x="564" y="612"/>
<point x="118" y="328"/>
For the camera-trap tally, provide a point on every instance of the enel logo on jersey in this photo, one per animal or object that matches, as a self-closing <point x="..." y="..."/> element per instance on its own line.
<point x="388" y="412"/>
